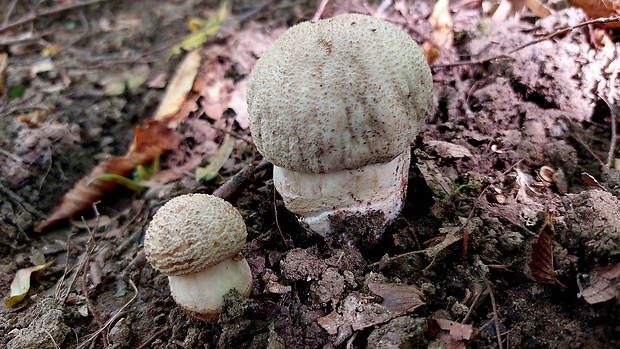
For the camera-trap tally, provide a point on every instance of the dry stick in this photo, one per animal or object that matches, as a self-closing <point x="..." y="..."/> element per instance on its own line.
<point x="614" y="75"/>
<point x="275" y="212"/>
<point x="319" y="11"/>
<point x="234" y="134"/>
<point x="9" y="12"/>
<point x="610" y="103"/>
<point x="495" y="315"/>
<point x="58" y="291"/>
<point x="240" y="181"/>
<point x="21" y="202"/>
<point x="473" y="303"/>
<point x="614" y="137"/>
<point x="118" y="313"/>
<point x="152" y="338"/>
<point x="50" y="12"/>
<point x="90" y="247"/>
<point x="533" y="42"/>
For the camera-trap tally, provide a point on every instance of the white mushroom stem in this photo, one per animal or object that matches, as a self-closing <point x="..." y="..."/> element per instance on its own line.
<point x="314" y="197"/>
<point x="202" y="293"/>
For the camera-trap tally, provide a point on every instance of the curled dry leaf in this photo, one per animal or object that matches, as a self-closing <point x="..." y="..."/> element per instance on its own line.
<point x="21" y="284"/>
<point x="180" y="85"/>
<point x="149" y="143"/>
<point x="541" y="257"/>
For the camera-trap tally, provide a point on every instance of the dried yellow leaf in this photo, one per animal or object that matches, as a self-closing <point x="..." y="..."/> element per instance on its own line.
<point x="21" y="284"/>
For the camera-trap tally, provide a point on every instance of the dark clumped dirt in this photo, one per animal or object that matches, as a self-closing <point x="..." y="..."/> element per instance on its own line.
<point x="513" y="165"/>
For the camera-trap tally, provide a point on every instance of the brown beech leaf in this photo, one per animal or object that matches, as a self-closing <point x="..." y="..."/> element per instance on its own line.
<point x="149" y="142"/>
<point x="541" y="258"/>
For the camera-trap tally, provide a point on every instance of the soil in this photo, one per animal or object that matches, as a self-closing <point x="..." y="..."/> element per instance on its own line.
<point x="522" y="134"/>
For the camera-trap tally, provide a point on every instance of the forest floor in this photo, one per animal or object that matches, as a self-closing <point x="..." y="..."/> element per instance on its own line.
<point x="509" y="237"/>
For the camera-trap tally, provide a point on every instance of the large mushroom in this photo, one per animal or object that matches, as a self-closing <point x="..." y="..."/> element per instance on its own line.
<point x="196" y="239"/>
<point x="335" y="104"/>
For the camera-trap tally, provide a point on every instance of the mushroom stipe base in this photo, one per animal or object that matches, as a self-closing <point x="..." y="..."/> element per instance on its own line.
<point x="367" y="198"/>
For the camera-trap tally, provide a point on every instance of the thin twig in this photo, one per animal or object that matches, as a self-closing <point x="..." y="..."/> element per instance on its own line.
<point x="50" y="12"/>
<point x="9" y="12"/>
<point x="152" y="338"/>
<point x="473" y="303"/>
<point x="240" y="181"/>
<point x="21" y="202"/>
<point x="320" y="9"/>
<point x="275" y="212"/>
<point x="614" y="136"/>
<point x="495" y="315"/>
<point x="90" y="247"/>
<point x="613" y="76"/>
<point x="113" y="318"/>
<point x="533" y="42"/>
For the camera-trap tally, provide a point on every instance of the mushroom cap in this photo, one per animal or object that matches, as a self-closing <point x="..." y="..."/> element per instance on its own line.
<point x="339" y="93"/>
<point x="192" y="232"/>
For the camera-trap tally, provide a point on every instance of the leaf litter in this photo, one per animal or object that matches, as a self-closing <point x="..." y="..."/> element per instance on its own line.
<point x="521" y="111"/>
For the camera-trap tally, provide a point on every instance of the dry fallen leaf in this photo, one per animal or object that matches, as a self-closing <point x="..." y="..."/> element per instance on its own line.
<point x="356" y="312"/>
<point x="149" y="143"/>
<point x="442" y="34"/>
<point x="198" y="38"/>
<point x="210" y="171"/>
<point x="604" y="285"/>
<point x="397" y="298"/>
<point x="541" y="257"/>
<point x="538" y="8"/>
<point x="447" y="149"/>
<point x="180" y="85"/>
<point x="453" y="334"/>
<point x="600" y="8"/>
<point x="215" y="87"/>
<point x="21" y="284"/>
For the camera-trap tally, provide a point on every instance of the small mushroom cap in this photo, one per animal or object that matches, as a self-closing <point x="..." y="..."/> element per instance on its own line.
<point x="193" y="231"/>
<point x="339" y="93"/>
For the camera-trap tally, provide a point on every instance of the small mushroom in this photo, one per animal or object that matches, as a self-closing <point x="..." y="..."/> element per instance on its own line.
<point x="335" y="104"/>
<point x="196" y="240"/>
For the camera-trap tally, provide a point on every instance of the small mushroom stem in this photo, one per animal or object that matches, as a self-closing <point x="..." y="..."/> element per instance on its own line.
<point x="202" y="293"/>
<point x="318" y="198"/>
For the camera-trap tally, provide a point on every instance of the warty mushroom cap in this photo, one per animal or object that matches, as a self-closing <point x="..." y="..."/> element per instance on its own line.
<point x="337" y="94"/>
<point x="192" y="232"/>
